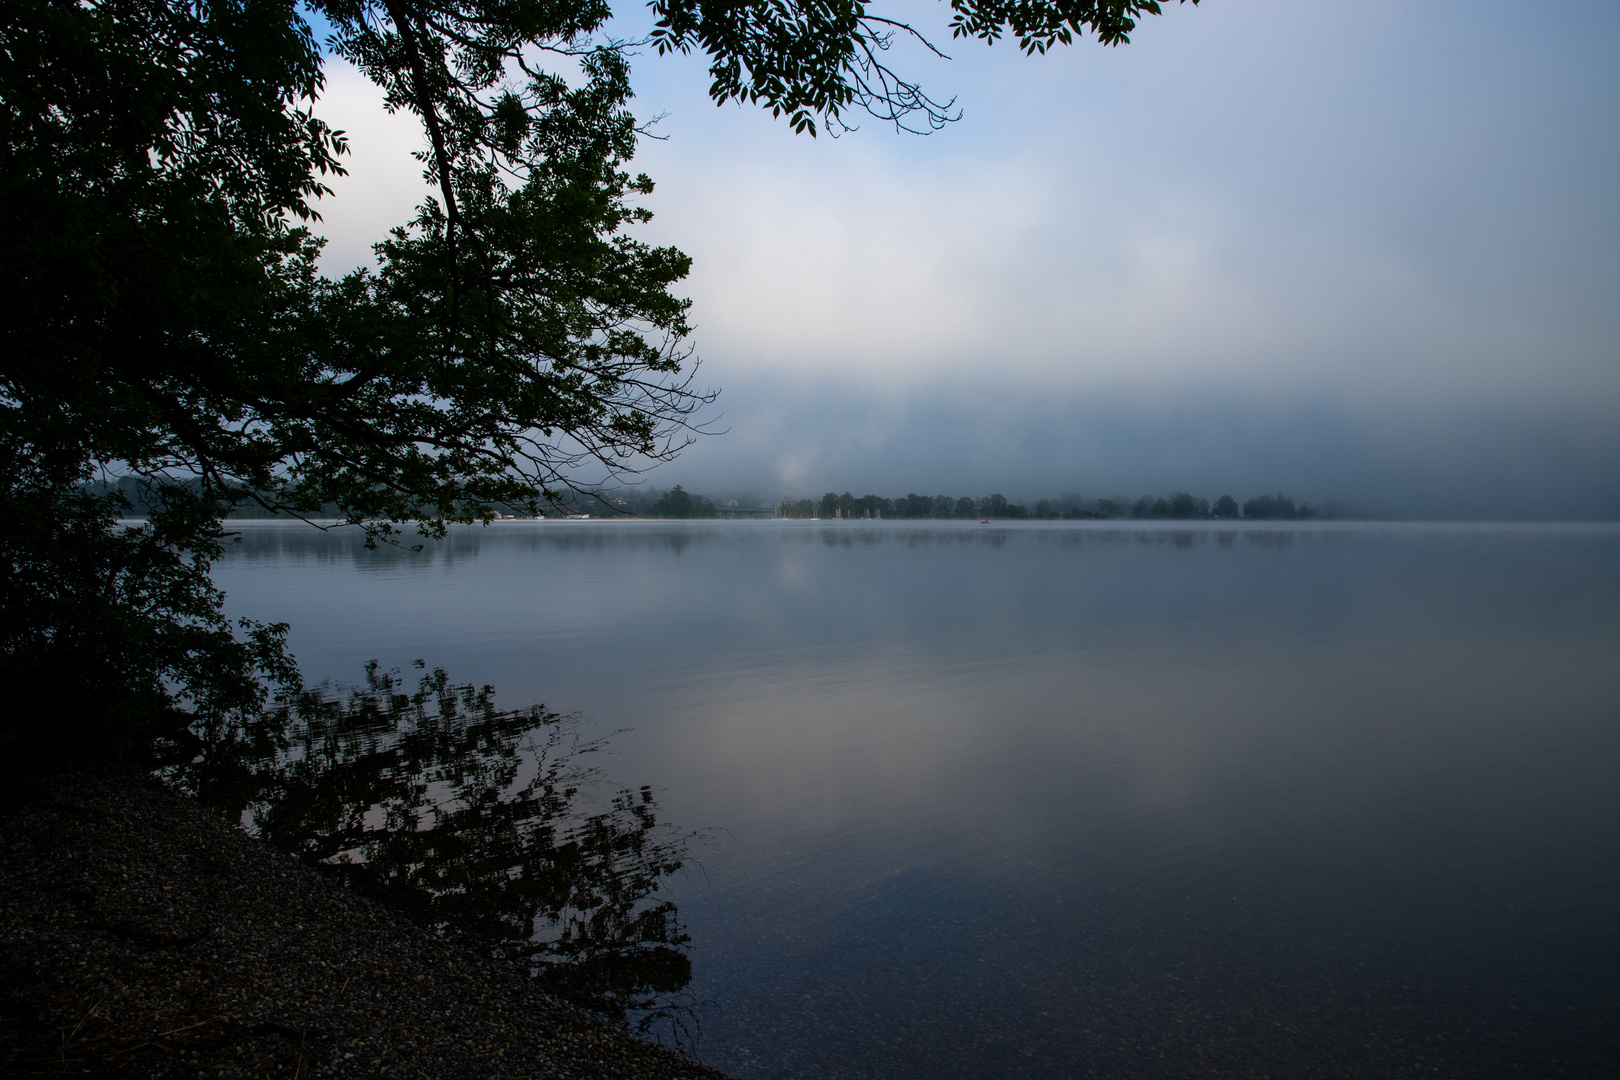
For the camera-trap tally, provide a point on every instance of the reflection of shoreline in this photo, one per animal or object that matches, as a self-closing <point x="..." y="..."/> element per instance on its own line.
<point x="139" y="926"/>
<point x="295" y="537"/>
<point x="479" y="825"/>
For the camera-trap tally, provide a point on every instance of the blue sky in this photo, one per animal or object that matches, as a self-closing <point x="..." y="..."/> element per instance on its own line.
<point x="1367" y="251"/>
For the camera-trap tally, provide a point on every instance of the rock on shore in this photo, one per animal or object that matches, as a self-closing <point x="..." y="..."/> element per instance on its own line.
<point x="142" y="935"/>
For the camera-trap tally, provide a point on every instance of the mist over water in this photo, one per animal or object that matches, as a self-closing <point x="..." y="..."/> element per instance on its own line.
<point x="1532" y="459"/>
<point x="1105" y="799"/>
<point x="1362" y="252"/>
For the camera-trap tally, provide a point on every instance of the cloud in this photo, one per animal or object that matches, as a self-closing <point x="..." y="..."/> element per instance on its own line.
<point x="1372" y="202"/>
<point x="1360" y="251"/>
<point x="384" y="184"/>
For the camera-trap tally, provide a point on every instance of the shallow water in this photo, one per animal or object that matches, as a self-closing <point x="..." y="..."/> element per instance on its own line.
<point x="1079" y="799"/>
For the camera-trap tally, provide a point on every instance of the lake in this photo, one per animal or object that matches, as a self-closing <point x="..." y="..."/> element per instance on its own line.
<point x="1049" y="800"/>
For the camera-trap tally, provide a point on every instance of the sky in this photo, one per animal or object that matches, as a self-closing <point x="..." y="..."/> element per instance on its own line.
<point x="1360" y="251"/>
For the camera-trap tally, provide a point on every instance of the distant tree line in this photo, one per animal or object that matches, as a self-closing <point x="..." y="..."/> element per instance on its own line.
<point x="1180" y="506"/>
<point x="677" y="502"/>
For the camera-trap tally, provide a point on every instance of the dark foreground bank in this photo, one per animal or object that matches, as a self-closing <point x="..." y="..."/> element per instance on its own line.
<point x="140" y="934"/>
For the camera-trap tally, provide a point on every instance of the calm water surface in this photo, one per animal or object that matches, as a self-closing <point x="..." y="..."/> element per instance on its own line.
<point x="1075" y="800"/>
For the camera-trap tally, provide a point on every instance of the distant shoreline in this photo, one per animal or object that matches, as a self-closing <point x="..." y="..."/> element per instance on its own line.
<point x="1094" y="524"/>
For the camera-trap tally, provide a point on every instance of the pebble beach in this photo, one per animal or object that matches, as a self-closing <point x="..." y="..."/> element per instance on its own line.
<point x="143" y="935"/>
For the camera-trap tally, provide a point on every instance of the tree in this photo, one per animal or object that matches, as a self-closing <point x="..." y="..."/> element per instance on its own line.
<point x="675" y="503"/>
<point x="1184" y="505"/>
<point x="162" y="316"/>
<point x="1265" y="507"/>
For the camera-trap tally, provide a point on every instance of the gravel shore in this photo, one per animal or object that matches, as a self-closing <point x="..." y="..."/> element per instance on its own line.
<point x="142" y="935"/>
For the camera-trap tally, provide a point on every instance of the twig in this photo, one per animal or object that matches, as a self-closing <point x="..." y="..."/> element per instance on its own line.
<point x="188" y="1027"/>
<point x="62" y="1056"/>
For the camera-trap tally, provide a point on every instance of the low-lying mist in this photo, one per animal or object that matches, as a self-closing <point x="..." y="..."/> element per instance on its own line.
<point x="1516" y="460"/>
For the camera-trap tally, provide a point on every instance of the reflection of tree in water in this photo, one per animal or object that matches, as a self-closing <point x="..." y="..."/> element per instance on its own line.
<point x="473" y="821"/>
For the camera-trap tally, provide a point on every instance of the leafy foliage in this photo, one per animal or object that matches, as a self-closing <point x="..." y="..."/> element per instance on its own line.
<point x="150" y="156"/>
<point x="115" y="634"/>
<point x="164" y="318"/>
<point x="805" y="59"/>
<point x="173" y="321"/>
